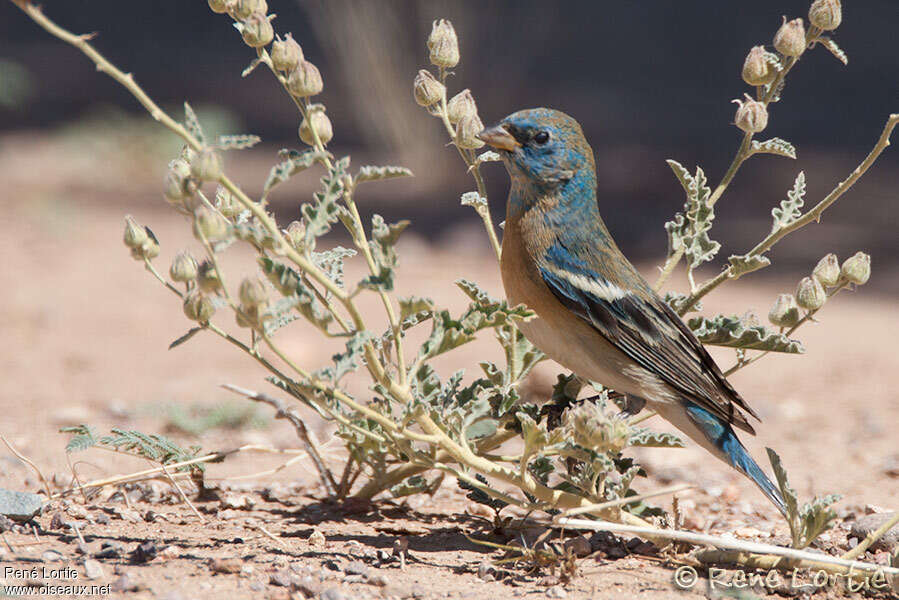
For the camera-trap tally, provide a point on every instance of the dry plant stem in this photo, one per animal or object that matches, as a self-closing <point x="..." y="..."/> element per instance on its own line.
<point x="761" y="555"/>
<point x="30" y="463"/>
<point x="872" y="537"/>
<point x="483" y="211"/>
<point x="282" y="412"/>
<point x="182" y="494"/>
<point x="812" y="215"/>
<point x="152" y="473"/>
<point x="622" y="501"/>
<point x="256" y="209"/>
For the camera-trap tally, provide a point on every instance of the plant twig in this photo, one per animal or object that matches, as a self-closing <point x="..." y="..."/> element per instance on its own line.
<point x="872" y="537"/>
<point x="282" y="412"/>
<point x="30" y="463"/>
<point x="182" y="494"/>
<point x="622" y="501"/>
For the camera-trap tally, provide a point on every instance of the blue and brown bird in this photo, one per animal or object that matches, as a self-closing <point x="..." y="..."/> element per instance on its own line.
<point x="596" y="315"/>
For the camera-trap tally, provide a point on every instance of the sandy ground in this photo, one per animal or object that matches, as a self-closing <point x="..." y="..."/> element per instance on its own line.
<point x="85" y="332"/>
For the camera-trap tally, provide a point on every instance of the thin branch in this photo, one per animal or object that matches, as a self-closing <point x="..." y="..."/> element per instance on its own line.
<point x="282" y="412"/>
<point x="872" y="537"/>
<point x="30" y="463"/>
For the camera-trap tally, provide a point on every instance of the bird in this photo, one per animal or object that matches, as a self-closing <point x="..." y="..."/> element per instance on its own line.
<point x="595" y="314"/>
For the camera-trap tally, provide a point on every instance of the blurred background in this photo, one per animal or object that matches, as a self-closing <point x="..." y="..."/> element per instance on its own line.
<point x="86" y="329"/>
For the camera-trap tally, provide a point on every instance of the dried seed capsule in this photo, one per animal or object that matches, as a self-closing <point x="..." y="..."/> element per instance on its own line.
<point x="443" y="44"/>
<point x="756" y="68"/>
<point x="467" y="132"/>
<point x="286" y="54"/>
<point x="135" y="235"/>
<point x="175" y="185"/>
<point x="210" y="225"/>
<point x="305" y="80"/>
<point x="242" y="9"/>
<point x="826" y="14"/>
<point x="827" y="271"/>
<point x="219" y="6"/>
<point x="785" y="312"/>
<point x="207" y="165"/>
<point x="810" y="295"/>
<point x="752" y="116"/>
<point x="184" y="267"/>
<point x="296" y="235"/>
<point x="426" y="89"/>
<point x="208" y="278"/>
<point x="247" y="316"/>
<point x="857" y="268"/>
<point x="316" y="119"/>
<point x="252" y="292"/>
<point x="198" y="307"/>
<point x="460" y="106"/>
<point x="256" y="30"/>
<point x="790" y="38"/>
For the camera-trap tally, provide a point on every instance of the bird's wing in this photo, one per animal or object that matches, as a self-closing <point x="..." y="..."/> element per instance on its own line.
<point x="643" y="327"/>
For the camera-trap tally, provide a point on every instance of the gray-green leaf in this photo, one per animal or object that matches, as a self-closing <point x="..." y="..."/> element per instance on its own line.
<point x="733" y="332"/>
<point x="372" y="173"/>
<point x="791" y="208"/>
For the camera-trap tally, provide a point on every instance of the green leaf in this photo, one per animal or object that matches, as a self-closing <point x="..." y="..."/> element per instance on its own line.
<point x="155" y="447"/>
<point x="654" y="439"/>
<point x="774" y="146"/>
<point x="816" y="517"/>
<point x="744" y="263"/>
<point x="481" y="497"/>
<point x="346" y="362"/>
<point x="415" y="485"/>
<point x="677" y="301"/>
<point x="331" y="262"/>
<point x="320" y="215"/>
<point x="292" y="162"/>
<point x="734" y="332"/>
<point x="192" y="123"/>
<point x="193" y="331"/>
<point x="289" y="283"/>
<point x="834" y="49"/>
<point x="279" y="314"/>
<point x="82" y="439"/>
<point x="783" y="483"/>
<point x="384" y="238"/>
<point x="412" y="305"/>
<point x="791" y="208"/>
<point x="237" y="142"/>
<point x="371" y="173"/>
<point x="688" y="231"/>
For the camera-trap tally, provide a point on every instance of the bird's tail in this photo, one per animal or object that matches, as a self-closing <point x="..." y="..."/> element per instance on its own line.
<point x="721" y="435"/>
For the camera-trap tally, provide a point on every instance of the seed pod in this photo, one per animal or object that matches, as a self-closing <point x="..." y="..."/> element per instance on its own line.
<point x="198" y="307"/>
<point x="589" y="427"/>
<point x="208" y="278"/>
<point x="467" y="131"/>
<point x="242" y="9"/>
<point x="184" y="267"/>
<point x="175" y="184"/>
<point x="296" y="235"/>
<point x="826" y="15"/>
<point x="247" y="316"/>
<point x="316" y="119"/>
<point x="252" y="292"/>
<point x="135" y="235"/>
<point x="756" y="68"/>
<point x="827" y="271"/>
<point x="426" y="89"/>
<point x="219" y="6"/>
<point x="460" y="106"/>
<point x="785" y="312"/>
<point x="810" y="295"/>
<point x="149" y="249"/>
<point x="207" y="165"/>
<point x="286" y="54"/>
<point x="305" y="80"/>
<point x="790" y="38"/>
<point x="443" y="44"/>
<point x="752" y="116"/>
<point x="256" y="30"/>
<point x="210" y="225"/>
<point x="857" y="268"/>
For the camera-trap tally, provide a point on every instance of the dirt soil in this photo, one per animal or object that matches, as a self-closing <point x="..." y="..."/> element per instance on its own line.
<point x="85" y="332"/>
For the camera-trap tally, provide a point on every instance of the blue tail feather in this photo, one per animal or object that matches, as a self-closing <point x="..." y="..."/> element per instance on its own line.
<point x="722" y="435"/>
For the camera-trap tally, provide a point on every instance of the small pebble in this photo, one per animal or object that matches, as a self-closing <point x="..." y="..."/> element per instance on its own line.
<point x="93" y="569"/>
<point x="556" y="592"/>
<point x="332" y="594"/>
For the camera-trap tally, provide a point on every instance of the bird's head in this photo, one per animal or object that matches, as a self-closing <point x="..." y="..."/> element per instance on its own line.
<point x="542" y="148"/>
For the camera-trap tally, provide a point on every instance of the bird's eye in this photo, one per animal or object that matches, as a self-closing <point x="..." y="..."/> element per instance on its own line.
<point x="541" y="137"/>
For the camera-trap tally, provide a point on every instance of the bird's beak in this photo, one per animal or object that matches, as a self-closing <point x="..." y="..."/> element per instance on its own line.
<point x="500" y="138"/>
